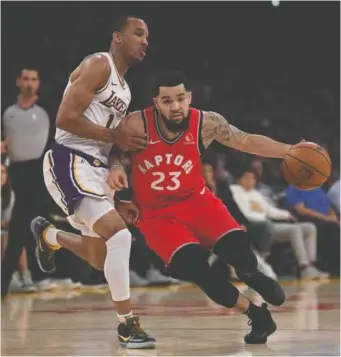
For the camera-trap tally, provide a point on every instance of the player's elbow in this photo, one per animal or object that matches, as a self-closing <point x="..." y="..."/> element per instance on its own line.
<point x="63" y="120"/>
<point x="243" y="144"/>
<point x="60" y="122"/>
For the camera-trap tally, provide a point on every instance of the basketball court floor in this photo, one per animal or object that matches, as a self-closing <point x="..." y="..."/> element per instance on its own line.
<point x="182" y="319"/>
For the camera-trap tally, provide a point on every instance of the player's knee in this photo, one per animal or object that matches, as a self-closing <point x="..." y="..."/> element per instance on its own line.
<point x="189" y="263"/>
<point x="235" y="249"/>
<point x="109" y="224"/>
<point x="100" y="216"/>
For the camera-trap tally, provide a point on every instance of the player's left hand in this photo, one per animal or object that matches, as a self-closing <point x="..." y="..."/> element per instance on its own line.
<point x="128" y="211"/>
<point x="117" y="178"/>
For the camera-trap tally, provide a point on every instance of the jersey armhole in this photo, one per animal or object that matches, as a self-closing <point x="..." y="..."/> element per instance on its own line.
<point x="103" y="88"/>
<point x="201" y="147"/>
<point x="145" y="123"/>
<point x="100" y="90"/>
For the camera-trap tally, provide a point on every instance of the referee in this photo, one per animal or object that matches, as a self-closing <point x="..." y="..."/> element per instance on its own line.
<point x="26" y="128"/>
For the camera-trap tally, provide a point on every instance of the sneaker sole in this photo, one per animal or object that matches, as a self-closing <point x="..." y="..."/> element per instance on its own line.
<point x="271" y="330"/>
<point x="39" y="263"/>
<point x="36" y="251"/>
<point x="274" y="293"/>
<point x="138" y="346"/>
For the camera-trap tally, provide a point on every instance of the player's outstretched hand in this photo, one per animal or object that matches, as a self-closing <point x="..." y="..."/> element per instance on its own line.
<point x="117" y="178"/>
<point x="129" y="139"/>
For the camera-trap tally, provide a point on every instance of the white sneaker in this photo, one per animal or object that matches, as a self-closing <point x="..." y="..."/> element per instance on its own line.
<point x="18" y="285"/>
<point x="67" y="284"/>
<point x="154" y="277"/>
<point x="28" y="282"/>
<point x="27" y="278"/>
<point x="136" y="280"/>
<point x="309" y="273"/>
<point x="15" y="285"/>
<point x="313" y="273"/>
<point x="46" y="285"/>
<point x="266" y="268"/>
<point x="322" y="274"/>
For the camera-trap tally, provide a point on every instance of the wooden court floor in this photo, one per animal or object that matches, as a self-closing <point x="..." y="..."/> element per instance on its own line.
<point x="182" y="319"/>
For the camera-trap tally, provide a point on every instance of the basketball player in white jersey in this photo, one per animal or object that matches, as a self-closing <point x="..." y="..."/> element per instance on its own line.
<point x="75" y="169"/>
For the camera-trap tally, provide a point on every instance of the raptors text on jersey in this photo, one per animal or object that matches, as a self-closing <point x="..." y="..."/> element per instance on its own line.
<point x="167" y="171"/>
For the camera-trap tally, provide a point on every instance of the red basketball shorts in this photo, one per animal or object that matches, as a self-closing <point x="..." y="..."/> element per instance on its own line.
<point x="202" y="219"/>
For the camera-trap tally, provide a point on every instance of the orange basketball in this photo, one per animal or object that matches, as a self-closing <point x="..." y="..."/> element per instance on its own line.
<point x="306" y="165"/>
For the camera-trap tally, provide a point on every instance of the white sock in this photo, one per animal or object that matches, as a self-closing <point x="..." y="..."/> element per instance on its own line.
<point x="51" y="236"/>
<point x="116" y="265"/>
<point x="122" y="318"/>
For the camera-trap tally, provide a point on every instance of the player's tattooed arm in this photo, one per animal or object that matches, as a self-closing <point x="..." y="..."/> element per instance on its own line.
<point x="216" y="127"/>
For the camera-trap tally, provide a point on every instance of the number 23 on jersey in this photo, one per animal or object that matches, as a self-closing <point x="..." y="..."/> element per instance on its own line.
<point x="159" y="185"/>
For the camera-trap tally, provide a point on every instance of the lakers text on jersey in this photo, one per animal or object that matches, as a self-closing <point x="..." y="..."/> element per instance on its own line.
<point x="108" y="107"/>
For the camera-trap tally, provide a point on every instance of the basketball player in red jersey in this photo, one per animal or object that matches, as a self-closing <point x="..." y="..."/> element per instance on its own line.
<point x="182" y="221"/>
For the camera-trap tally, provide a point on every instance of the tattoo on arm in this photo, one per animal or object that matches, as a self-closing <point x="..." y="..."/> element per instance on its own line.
<point x="216" y="127"/>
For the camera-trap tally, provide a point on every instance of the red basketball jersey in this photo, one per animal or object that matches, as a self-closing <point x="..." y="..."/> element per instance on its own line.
<point x="167" y="171"/>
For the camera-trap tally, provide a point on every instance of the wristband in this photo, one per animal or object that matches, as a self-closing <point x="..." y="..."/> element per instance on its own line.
<point x="116" y="165"/>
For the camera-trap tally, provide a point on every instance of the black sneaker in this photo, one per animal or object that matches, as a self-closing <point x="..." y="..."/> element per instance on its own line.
<point x="44" y="252"/>
<point x="268" y="288"/>
<point x="132" y="336"/>
<point x="262" y="325"/>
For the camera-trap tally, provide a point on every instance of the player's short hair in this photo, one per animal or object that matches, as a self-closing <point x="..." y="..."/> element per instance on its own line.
<point x="122" y="22"/>
<point x="169" y="79"/>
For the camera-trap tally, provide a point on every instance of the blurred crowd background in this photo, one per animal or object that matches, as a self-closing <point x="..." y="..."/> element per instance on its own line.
<point x="273" y="70"/>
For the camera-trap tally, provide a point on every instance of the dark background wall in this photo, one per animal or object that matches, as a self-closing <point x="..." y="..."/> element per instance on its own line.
<point x="274" y="70"/>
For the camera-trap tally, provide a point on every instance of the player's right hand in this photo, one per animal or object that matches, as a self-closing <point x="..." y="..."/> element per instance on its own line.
<point x="128" y="139"/>
<point x="117" y="178"/>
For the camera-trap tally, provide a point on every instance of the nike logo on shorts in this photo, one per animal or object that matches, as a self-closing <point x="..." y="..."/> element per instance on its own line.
<point x="203" y="191"/>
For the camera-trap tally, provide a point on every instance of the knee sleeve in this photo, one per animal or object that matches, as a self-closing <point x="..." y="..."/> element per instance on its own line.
<point x="235" y="249"/>
<point x="116" y="265"/>
<point x="191" y="263"/>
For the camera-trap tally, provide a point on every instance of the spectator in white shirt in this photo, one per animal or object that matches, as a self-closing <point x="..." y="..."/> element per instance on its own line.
<point x="334" y="195"/>
<point x="303" y="236"/>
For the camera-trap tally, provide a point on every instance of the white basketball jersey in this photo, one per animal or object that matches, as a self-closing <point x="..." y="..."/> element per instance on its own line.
<point x="107" y="109"/>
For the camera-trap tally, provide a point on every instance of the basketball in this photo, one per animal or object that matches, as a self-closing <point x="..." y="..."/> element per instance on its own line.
<point x="306" y="165"/>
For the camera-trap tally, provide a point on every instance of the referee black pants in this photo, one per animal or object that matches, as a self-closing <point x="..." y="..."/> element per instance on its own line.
<point x="27" y="182"/>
